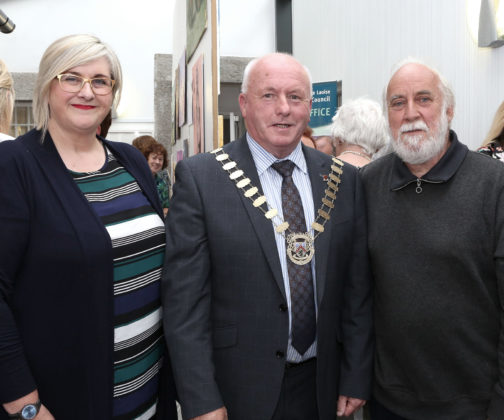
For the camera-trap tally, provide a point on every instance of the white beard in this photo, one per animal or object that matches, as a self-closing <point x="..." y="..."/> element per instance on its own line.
<point x="417" y="149"/>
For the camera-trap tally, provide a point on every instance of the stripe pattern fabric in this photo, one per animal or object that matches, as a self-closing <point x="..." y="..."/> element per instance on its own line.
<point x="138" y="241"/>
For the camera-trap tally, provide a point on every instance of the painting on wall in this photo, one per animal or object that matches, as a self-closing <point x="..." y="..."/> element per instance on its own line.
<point x="182" y="90"/>
<point x="198" y="106"/>
<point x="177" y="106"/>
<point x="186" y="147"/>
<point x="173" y="165"/>
<point x="172" y="116"/>
<point x="196" y="12"/>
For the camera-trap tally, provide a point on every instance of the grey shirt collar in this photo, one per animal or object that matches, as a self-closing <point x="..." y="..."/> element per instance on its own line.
<point x="439" y="173"/>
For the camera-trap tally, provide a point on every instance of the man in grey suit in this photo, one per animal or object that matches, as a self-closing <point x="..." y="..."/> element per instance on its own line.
<point x="267" y="289"/>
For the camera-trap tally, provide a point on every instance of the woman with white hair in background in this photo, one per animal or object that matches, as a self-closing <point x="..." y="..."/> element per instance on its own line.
<point x="6" y="101"/>
<point x="360" y="132"/>
<point x="82" y="247"/>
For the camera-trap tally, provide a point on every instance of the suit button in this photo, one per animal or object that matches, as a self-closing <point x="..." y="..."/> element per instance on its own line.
<point x="282" y="307"/>
<point x="280" y="354"/>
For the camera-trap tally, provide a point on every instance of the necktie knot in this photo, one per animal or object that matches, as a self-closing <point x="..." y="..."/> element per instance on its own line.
<point x="284" y="168"/>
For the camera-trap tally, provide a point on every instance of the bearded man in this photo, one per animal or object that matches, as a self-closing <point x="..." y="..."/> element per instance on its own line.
<point x="436" y="225"/>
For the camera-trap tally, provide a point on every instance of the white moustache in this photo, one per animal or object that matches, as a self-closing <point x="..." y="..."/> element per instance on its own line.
<point x="419" y="125"/>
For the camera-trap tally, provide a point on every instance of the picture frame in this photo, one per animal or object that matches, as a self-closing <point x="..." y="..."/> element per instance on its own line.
<point x="196" y="23"/>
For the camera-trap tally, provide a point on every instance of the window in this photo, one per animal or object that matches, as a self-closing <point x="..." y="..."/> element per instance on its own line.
<point x="22" y="118"/>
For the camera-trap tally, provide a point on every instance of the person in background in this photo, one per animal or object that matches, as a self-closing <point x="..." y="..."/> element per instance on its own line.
<point x="82" y="246"/>
<point x="436" y="239"/>
<point x="261" y="319"/>
<point x="144" y="142"/>
<point x="359" y="131"/>
<point x="157" y="159"/>
<point x="325" y="144"/>
<point x="493" y="145"/>
<point x="307" y="138"/>
<point x="6" y="101"/>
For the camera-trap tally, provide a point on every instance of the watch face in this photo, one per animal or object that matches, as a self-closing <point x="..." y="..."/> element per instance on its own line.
<point x="29" y="412"/>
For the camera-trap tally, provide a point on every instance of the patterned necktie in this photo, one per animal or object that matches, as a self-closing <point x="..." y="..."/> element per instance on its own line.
<point x="300" y="276"/>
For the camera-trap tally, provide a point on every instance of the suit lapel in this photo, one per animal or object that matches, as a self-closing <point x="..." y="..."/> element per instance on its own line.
<point x="240" y="153"/>
<point x="318" y="166"/>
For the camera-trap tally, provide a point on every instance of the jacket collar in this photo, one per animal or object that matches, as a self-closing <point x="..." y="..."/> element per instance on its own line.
<point x="52" y="165"/>
<point x="441" y="172"/>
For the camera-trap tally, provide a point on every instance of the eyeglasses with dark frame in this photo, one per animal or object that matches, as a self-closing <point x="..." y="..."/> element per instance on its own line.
<point x="72" y="83"/>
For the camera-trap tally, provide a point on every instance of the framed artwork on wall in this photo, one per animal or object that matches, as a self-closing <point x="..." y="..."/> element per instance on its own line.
<point x="196" y="14"/>
<point x="186" y="147"/>
<point x="182" y="90"/>
<point x="177" y="105"/>
<point x="198" y="106"/>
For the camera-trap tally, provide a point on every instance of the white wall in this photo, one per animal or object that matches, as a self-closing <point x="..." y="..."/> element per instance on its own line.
<point x="358" y="42"/>
<point x="135" y="31"/>
<point x="247" y="27"/>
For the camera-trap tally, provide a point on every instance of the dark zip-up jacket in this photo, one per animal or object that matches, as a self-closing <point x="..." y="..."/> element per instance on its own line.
<point x="437" y="253"/>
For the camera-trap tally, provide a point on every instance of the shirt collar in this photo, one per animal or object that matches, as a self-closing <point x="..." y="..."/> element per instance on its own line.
<point x="439" y="173"/>
<point x="264" y="159"/>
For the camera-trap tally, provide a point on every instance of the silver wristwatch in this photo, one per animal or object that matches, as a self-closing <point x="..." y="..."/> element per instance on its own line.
<point x="28" y="412"/>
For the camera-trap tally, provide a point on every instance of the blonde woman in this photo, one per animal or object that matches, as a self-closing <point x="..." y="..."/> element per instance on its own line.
<point x="494" y="141"/>
<point x="81" y="252"/>
<point x="6" y="101"/>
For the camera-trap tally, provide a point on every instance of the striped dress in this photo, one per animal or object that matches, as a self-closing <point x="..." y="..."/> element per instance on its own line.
<point x="138" y="242"/>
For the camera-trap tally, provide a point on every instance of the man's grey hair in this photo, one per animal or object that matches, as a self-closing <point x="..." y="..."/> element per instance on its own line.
<point x="444" y="86"/>
<point x="251" y="64"/>
<point x="361" y="122"/>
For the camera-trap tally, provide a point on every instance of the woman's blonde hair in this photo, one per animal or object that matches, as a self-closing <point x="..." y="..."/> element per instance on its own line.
<point x="497" y="126"/>
<point x="62" y="55"/>
<point x="6" y="98"/>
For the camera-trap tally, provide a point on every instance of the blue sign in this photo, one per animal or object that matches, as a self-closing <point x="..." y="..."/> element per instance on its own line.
<point x="324" y="106"/>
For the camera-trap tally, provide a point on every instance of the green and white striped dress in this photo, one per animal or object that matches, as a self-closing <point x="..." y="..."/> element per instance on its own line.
<point x="138" y="242"/>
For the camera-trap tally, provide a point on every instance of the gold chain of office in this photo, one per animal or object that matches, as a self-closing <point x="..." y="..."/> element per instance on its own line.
<point x="300" y="246"/>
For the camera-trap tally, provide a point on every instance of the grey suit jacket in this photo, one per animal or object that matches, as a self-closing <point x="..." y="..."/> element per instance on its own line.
<point x="225" y="314"/>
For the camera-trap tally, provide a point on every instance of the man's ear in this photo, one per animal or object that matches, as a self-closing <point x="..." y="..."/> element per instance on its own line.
<point x="449" y="114"/>
<point x="242" y="100"/>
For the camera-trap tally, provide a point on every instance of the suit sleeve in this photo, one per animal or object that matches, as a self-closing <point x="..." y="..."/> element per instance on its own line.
<point x="186" y="293"/>
<point x="16" y="378"/>
<point x="357" y="324"/>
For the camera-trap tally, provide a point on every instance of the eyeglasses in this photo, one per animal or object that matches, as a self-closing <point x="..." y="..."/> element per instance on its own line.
<point x="72" y="84"/>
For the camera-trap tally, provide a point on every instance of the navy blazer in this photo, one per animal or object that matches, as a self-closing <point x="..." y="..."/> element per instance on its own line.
<point x="56" y="281"/>
<point x="224" y="300"/>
